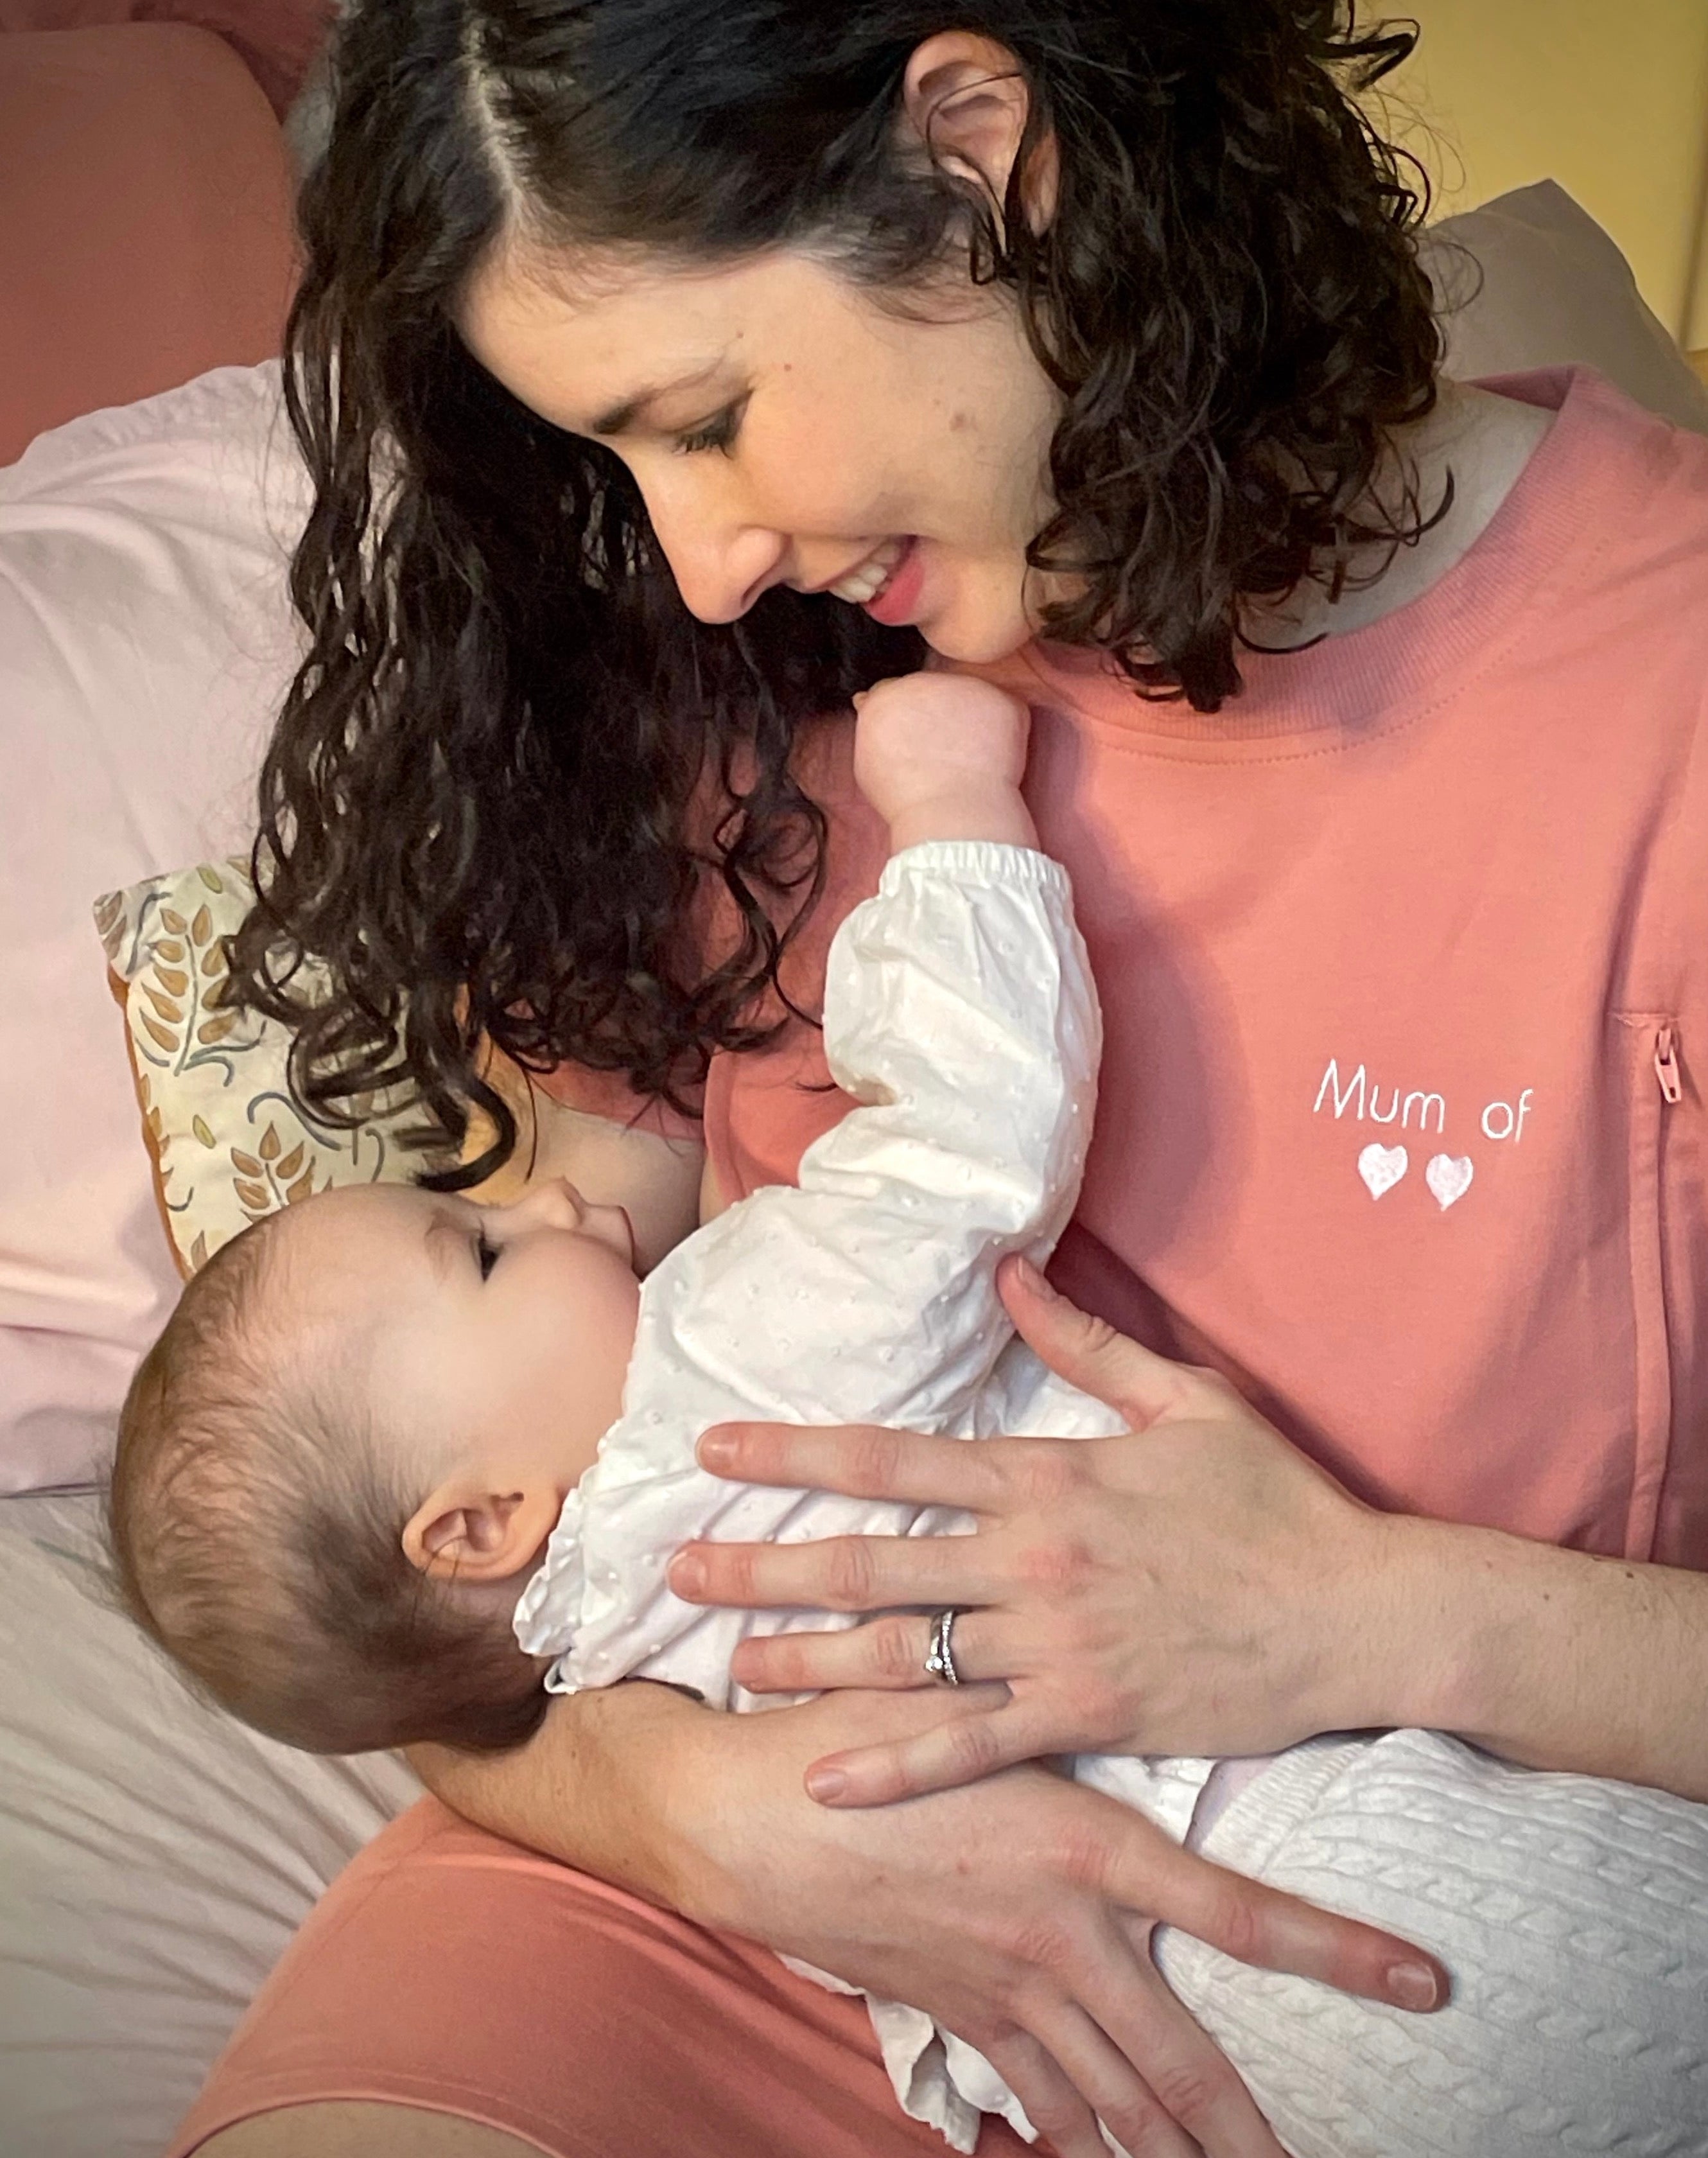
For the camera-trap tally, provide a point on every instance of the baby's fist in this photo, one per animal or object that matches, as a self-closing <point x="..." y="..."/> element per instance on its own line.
<point x="941" y="757"/>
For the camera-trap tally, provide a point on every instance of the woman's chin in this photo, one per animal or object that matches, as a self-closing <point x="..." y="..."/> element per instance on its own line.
<point x="976" y="638"/>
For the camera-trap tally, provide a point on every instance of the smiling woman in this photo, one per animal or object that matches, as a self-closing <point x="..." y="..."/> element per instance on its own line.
<point x="668" y="371"/>
<point x="1015" y="324"/>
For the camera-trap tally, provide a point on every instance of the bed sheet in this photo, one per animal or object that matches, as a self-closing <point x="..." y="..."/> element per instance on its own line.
<point x="156" y="1856"/>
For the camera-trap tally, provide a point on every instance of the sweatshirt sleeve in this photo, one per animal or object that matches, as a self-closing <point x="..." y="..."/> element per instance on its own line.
<point x="960" y="1015"/>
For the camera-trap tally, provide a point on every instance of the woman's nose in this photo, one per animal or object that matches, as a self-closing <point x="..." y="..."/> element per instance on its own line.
<point x="722" y="563"/>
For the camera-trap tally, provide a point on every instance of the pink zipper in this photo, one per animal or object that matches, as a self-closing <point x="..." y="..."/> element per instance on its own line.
<point x="1666" y="1066"/>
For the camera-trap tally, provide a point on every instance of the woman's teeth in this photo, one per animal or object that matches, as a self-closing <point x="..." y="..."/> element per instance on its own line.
<point x="869" y="578"/>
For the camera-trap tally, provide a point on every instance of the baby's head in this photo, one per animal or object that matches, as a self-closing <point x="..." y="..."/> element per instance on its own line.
<point x="337" y="1466"/>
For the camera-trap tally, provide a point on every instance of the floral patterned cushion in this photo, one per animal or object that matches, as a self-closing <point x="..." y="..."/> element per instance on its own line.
<point x="229" y="1145"/>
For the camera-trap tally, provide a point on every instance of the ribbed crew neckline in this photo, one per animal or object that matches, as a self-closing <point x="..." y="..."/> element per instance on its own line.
<point x="1553" y="522"/>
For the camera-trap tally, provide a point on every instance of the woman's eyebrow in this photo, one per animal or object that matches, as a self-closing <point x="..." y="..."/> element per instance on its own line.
<point x="620" y="418"/>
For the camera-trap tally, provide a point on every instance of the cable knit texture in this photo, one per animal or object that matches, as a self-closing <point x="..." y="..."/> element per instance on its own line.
<point x="1572" y="1913"/>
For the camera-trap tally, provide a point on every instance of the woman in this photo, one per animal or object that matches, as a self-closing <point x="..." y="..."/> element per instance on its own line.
<point x="1101" y="325"/>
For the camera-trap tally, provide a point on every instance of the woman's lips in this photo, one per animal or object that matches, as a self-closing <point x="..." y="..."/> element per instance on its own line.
<point x="894" y="603"/>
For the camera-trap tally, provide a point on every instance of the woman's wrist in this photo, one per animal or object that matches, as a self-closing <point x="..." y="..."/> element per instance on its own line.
<point x="592" y="1789"/>
<point x="1477" y="1617"/>
<point x="1425" y="1629"/>
<point x="1554" y="1659"/>
<point x="1401" y="1672"/>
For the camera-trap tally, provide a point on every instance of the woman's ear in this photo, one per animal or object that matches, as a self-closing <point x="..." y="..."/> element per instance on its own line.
<point x="967" y="101"/>
<point x="462" y="1531"/>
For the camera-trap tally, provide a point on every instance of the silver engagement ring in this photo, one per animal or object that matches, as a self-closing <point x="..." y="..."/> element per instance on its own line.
<point x="940" y="1660"/>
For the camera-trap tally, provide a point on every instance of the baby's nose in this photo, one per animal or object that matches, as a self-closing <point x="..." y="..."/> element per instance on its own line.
<point x="553" y="1202"/>
<point x="557" y="1199"/>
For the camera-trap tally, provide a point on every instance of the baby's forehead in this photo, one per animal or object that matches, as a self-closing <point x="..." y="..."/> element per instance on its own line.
<point x="363" y="1241"/>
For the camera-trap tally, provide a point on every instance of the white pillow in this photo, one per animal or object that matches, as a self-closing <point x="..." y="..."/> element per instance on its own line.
<point x="145" y="643"/>
<point x="1530" y="280"/>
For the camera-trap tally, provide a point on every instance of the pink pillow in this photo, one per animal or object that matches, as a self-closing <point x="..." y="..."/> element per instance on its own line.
<point x="278" y="39"/>
<point x="145" y="218"/>
<point x="145" y="643"/>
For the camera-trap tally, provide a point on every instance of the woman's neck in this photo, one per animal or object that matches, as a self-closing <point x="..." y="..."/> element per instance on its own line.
<point x="1484" y="442"/>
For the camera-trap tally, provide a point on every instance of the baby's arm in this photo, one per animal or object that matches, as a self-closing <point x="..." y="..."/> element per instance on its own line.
<point x="959" y="1014"/>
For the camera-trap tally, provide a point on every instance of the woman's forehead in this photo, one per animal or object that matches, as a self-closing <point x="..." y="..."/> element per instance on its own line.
<point x="579" y="344"/>
<point x="591" y="343"/>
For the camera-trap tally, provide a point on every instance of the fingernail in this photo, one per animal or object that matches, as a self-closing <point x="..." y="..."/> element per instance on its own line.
<point x="1413" y="1985"/>
<point x="1033" y="1278"/>
<point x="825" y="1784"/>
<point x="688" y="1576"/>
<point x="716" y="1449"/>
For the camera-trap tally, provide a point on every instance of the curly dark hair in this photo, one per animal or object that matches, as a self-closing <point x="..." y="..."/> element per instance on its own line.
<point x="512" y="765"/>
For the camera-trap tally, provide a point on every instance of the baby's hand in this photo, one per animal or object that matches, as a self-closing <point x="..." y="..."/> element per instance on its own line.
<point x="941" y="757"/>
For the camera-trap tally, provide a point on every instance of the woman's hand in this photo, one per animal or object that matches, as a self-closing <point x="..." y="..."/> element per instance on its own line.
<point x="1195" y="1586"/>
<point x="1017" y="1913"/>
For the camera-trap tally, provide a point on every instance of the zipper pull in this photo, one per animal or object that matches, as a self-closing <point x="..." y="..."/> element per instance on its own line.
<point x="1666" y="1066"/>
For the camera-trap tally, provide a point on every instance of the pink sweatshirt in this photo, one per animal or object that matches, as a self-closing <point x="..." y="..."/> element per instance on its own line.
<point x="1403" y="959"/>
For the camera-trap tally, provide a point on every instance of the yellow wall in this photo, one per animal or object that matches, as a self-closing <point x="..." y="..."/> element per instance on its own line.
<point x="1609" y="97"/>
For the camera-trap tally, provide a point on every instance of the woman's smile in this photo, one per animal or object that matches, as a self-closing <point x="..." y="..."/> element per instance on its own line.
<point x="869" y="577"/>
<point x="889" y="584"/>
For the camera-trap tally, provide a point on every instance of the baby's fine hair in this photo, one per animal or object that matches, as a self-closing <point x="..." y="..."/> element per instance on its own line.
<point x="256" y="1533"/>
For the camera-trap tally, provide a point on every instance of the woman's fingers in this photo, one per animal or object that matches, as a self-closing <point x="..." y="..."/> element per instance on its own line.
<point x="1262" y="1926"/>
<point x="862" y="1461"/>
<point x="953" y="1753"/>
<point x="1053" y="2105"/>
<point x="838" y="1573"/>
<point x="1106" y="2084"/>
<point x="1187" y="2076"/>
<point x="884" y="1653"/>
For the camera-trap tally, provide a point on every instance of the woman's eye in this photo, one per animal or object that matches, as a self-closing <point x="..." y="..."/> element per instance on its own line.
<point x="718" y="434"/>
<point x="486" y="1253"/>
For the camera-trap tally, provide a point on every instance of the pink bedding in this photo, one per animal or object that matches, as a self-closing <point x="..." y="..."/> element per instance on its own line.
<point x="277" y="39"/>
<point x="145" y="215"/>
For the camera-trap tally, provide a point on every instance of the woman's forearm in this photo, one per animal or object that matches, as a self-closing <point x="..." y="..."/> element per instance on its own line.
<point x="1553" y="1658"/>
<point x="589" y="1789"/>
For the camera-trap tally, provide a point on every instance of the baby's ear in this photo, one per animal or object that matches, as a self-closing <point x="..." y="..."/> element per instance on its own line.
<point x="463" y="1532"/>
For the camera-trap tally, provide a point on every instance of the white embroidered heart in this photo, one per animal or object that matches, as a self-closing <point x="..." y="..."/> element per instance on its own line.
<point x="1448" y="1176"/>
<point x="1382" y="1167"/>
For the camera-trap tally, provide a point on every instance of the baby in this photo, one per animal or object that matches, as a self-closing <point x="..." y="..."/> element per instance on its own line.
<point x="389" y="1434"/>
<point x="341" y="1462"/>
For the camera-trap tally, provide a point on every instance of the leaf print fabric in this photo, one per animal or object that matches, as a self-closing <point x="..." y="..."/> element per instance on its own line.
<point x="229" y="1143"/>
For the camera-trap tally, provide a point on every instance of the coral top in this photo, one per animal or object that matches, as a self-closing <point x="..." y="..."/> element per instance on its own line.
<point x="1403" y="959"/>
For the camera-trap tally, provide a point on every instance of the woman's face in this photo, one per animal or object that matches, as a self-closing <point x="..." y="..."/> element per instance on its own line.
<point x="785" y="428"/>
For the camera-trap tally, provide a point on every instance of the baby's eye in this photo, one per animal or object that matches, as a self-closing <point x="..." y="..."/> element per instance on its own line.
<point x="487" y="1254"/>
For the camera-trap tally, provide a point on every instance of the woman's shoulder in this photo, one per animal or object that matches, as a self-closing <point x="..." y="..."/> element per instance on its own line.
<point x="1632" y="489"/>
